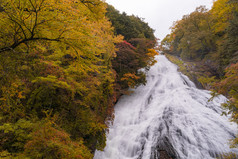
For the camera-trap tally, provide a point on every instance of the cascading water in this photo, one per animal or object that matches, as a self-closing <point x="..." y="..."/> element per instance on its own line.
<point x="168" y="115"/>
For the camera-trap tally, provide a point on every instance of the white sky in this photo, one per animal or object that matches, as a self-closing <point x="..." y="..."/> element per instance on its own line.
<point x="160" y="14"/>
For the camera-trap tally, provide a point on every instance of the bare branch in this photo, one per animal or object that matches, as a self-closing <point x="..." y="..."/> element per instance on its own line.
<point x="13" y="46"/>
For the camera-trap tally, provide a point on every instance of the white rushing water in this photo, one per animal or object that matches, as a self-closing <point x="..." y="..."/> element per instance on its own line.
<point x="168" y="115"/>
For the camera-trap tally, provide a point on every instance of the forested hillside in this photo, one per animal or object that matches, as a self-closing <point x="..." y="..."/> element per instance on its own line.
<point x="134" y="52"/>
<point x="63" y="64"/>
<point x="209" y="39"/>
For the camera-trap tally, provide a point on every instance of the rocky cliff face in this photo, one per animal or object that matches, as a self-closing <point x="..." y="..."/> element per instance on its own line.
<point x="202" y="73"/>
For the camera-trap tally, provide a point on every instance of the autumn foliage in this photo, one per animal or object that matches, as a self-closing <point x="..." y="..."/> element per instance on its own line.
<point x="54" y="57"/>
<point x="57" y="77"/>
<point x="229" y="86"/>
<point x="48" y="142"/>
<point x="130" y="58"/>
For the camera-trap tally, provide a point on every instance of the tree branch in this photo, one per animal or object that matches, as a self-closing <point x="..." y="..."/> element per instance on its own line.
<point x="13" y="46"/>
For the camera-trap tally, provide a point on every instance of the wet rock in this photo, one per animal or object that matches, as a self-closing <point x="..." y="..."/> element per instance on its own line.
<point x="164" y="150"/>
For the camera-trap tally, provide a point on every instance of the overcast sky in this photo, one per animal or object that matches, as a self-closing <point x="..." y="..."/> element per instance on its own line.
<point x="160" y="14"/>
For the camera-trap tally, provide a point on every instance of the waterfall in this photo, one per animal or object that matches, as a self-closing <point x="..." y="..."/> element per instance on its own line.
<point x="168" y="116"/>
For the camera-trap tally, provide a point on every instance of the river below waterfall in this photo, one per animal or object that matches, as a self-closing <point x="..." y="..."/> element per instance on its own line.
<point x="168" y="115"/>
